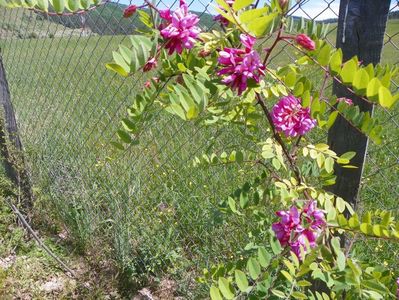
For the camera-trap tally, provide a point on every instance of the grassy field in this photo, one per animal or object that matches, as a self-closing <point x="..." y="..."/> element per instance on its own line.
<point x="148" y="211"/>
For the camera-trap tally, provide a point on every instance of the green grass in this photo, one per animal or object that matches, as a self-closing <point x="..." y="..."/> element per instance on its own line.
<point x="148" y="210"/>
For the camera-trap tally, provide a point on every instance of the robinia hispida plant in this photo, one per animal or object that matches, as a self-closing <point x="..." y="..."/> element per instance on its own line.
<point x="224" y="78"/>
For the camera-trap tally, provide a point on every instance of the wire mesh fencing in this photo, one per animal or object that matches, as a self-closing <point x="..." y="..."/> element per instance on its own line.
<point x="147" y="209"/>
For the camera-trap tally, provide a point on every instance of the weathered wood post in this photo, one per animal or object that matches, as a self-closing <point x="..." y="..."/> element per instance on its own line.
<point x="361" y="28"/>
<point x="12" y="157"/>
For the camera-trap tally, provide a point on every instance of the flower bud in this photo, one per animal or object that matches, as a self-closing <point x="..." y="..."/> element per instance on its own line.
<point x="129" y="11"/>
<point x="346" y="100"/>
<point x="151" y="64"/>
<point x="204" y="53"/>
<point x="305" y="41"/>
<point x="283" y="4"/>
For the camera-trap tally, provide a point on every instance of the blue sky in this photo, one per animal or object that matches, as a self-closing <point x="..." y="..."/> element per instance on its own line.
<point x="312" y="8"/>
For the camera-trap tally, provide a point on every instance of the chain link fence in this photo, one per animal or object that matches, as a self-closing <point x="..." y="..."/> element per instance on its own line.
<point x="146" y="208"/>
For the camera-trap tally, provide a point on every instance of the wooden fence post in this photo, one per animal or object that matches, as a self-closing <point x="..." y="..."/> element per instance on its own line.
<point x="361" y="29"/>
<point x="13" y="157"/>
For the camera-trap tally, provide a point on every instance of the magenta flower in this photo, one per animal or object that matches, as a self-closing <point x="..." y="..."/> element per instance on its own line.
<point x="300" y="229"/>
<point x="129" y="11"/>
<point x="180" y="30"/>
<point x="290" y="117"/>
<point x="305" y="41"/>
<point x="240" y="65"/>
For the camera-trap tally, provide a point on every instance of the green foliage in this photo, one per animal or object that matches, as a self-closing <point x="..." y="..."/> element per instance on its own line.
<point x="128" y="60"/>
<point x="370" y="82"/>
<point x="268" y="170"/>
<point x="59" y="6"/>
<point x="257" y="22"/>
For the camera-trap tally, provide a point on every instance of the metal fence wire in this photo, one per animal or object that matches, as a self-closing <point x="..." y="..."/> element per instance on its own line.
<point x="147" y="209"/>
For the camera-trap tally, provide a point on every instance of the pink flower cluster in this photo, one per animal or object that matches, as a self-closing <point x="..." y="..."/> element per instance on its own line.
<point x="300" y="229"/>
<point x="290" y="117"/>
<point x="179" y="30"/>
<point x="240" y="65"/>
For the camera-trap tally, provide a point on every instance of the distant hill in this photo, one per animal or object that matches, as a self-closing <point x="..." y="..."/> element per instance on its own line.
<point x="108" y="20"/>
<point x="20" y="26"/>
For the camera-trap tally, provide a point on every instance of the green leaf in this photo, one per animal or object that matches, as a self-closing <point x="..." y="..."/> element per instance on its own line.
<point x="299" y="89"/>
<point x="341" y="259"/>
<point x="275" y="244"/>
<point x="373" y="88"/>
<point x="340" y="204"/>
<point x="128" y="125"/>
<point x="366" y="228"/>
<point x="287" y="275"/>
<point x="329" y="165"/>
<point x="215" y="293"/>
<point x="348" y="155"/>
<point x="354" y="222"/>
<point x="118" y="59"/>
<point x="253" y="268"/>
<point x="361" y="81"/>
<point x="124" y="136"/>
<point x="299" y="295"/>
<point x="244" y="200"/>
<point x="385" y="97"/>
<point x="239" y="157"/>
<point x="240" y="4"/>
<point x="250" y="15"/>
<point x="335" y="243"/>
<point x="142" y="47"/>
<point x="43" y="5"/>
<point x="241" y="280"/>
<point x="336" y="62"/>
<point x="126" y="53"/>
<point x="225" y="288"/>
<point x="375" y="286"/>
<point x="331" y="119"/>
<point x="324" y="55"/>
<point x="348" y="71"/>
<point x="278" y="293"/>
<point x="264" y="257"/>
<point x="117" y="68"/>
<point x="232" y="205"/>
<point x="259" y="26"/>
<point x="304" y="283"/>
<point x="192" y="112"/>
<point x="177" y="110"/>
<point x="72" y="5"/>
<point x="59" y="6"/>
<point x="119" y="146"/>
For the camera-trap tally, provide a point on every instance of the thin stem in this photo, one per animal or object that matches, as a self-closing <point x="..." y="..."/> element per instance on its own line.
<point x="151" y="5"/>
<point x="296" y="147"/>
<point x="323" y="86"/>
<point x="278" y="38"/>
